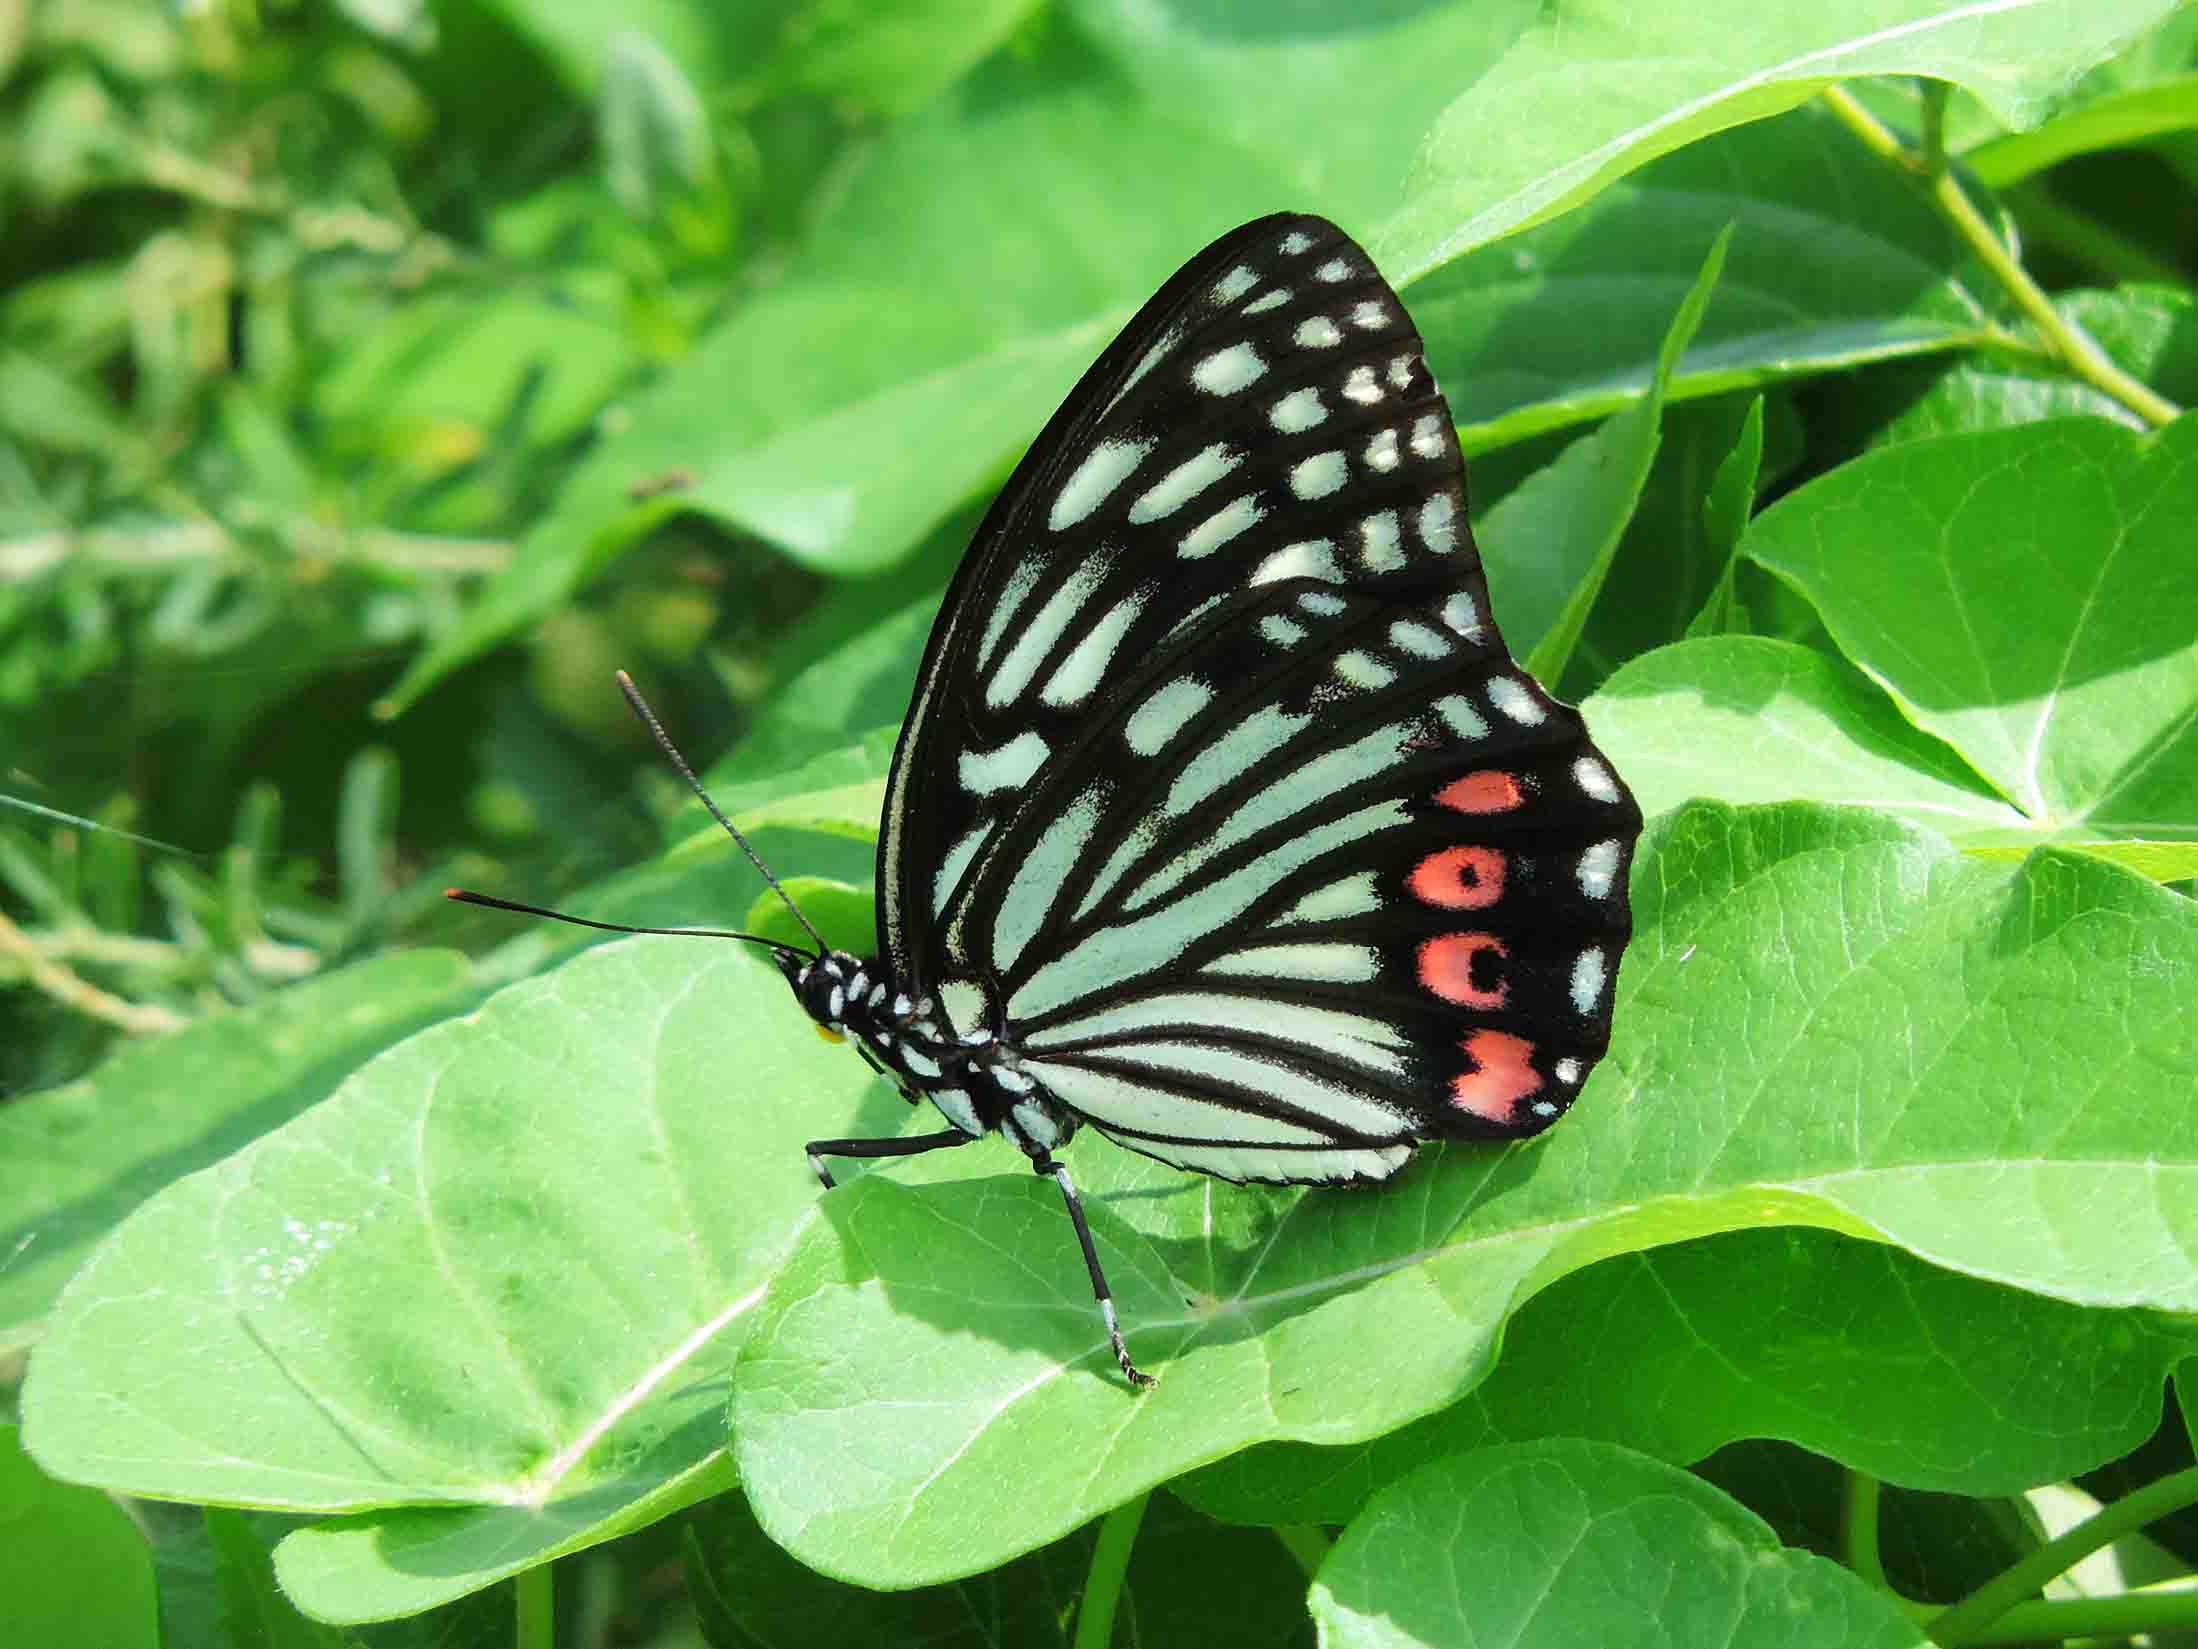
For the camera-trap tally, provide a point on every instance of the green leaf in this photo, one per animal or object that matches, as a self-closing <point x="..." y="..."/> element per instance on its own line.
<point x="1585" y="94"/>
<point x="1747" y="719"/>
<point x="2122" y="120"/>
<point x="1855" y="1351"/>
<point x="1835" y="261"/>
<point x="73" y="1567"/>
<point x="256" y="1611"/>
<point x="713" y="45"/>
<point x="499" y="1273"/>
<point x="75" y="1160"/>
<point x="656" y="138"/>
<point x="44" y="407"/>
<point x="1570" y="1543"/>
<point x="1725" y="513"/>
<point x="892" y="56"/>
<point x="2023" y="595"/>
<point x="433" y="380"/>
<point x="1824" y="1019"/>
<point x="1583" y="502"/>
<point x="2146" y="330"/>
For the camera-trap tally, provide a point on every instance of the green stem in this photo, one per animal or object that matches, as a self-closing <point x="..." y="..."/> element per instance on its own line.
<point x="1967" y="1620"/>
<point x="1932" y="154"/>
<point x="2115" y="1619"/>
<point x="534" y="1623"/>
<point x="2067" y="343"/>
<point x="1110" y="1563"/>
<point x="1306" y="1542"/>
<point x="1858" y="1528"/>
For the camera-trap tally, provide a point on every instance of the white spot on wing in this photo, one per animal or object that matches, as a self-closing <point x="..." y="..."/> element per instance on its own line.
<point x="1439" y="524"/>
<point x="1370" y="316"/>
<point x="1321" y="604"/>
<point x="1381" y="545"/>
<point x="956" y="1106"/>
<point x="1313" y="558"/>
<point x="1353" y="896"/>
<point x="1400" y="372"/>
<point x="1463" y="614"/>
<point x="1296" y="243"/>
<point x="1234" y="284"/>
<point x="951" y="870"/>
<point x="1013" y="593"/>
<point x="1461" y="718"/>
<point x="1566" y="1071"/>
<point x="1361" y="386"/>
<point x="1268" y="300"/>
<point x="1036" y="885"/>
<point x="1281" y="631"/>
<point x="1297" y="412"/>
<point x="1087" y="661"/>
<point x="1335" y="269"/>
<point x="1163" y="715"/>
<point x="1514" y="699"/>
<point x="1038" y="636"/>
<point x="1330" y="964"/>
<point x="986" y="772"/>
<point x="1318" y="476"/>
<point x="1318" y="332"/>
<point x="1226" y="371"/>
<point x="1362" y="669"/>
<point x="1381" y="451"/>
<point x="1598" y="868"/>
<point x="1183" y="483"/>
<point x="1427" y="436"/>
<point x="1410" y="636"/>
<point x="1221" y="526"/>
<point x="1595" y="779"/>
<point x="1587" y="981"/>
<point x="1104" y="468"/>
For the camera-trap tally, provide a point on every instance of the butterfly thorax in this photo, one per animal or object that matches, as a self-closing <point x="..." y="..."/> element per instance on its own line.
<point x="971" y="1076"/>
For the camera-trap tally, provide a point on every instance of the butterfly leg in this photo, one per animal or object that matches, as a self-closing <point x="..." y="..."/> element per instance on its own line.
<point x="912" y="1145"/>
<point x="1058" y="1173"/>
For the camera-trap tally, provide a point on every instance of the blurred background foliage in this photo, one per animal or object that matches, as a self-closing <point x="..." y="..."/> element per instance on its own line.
<point x="308" y="310"/>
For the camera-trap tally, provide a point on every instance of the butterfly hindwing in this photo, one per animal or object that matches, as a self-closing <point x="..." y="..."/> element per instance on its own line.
<point x="1221" y="799"/>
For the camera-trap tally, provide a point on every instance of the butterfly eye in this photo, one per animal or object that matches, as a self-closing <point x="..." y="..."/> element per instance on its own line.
<point x="831" y="1034"/>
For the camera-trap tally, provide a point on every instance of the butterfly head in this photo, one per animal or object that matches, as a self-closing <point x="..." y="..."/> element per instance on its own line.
<point x="831" y="986"/>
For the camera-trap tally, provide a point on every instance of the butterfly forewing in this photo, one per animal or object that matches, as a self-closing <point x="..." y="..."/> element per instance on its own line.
<point x="1221" y="799"/>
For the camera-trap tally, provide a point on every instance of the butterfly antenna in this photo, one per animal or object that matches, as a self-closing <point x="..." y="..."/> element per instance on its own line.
<point x="664" y="742"/>
<point x="466" y="896"/>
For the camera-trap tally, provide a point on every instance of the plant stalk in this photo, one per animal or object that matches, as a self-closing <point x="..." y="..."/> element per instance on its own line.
<point x="2066" y="342"/>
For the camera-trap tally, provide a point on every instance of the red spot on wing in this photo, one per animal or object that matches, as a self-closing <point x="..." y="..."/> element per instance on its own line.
<point x="1487" y="791"/>
<point x="1447" y="966"/>
<point x="1503" y="1074"/>
<point x="1459" y="878"/>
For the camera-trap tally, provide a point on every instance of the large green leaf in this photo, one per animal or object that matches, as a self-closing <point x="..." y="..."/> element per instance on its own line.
<point x="1748" y="719"/>
<point x="1856" y="1351"/>
<point x="2024" y="595"/>
<point x="75" y="1160"/>
<point x="500" y="1272"/>
<point x="1573" y="1543"/>
<point x="1589" y="93"/>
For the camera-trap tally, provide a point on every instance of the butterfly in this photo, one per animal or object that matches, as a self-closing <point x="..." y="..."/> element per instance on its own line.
<point x="1223" y="822"/>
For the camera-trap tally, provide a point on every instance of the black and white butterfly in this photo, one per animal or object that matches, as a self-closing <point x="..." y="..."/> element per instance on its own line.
<point x="1223" y="821"/>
